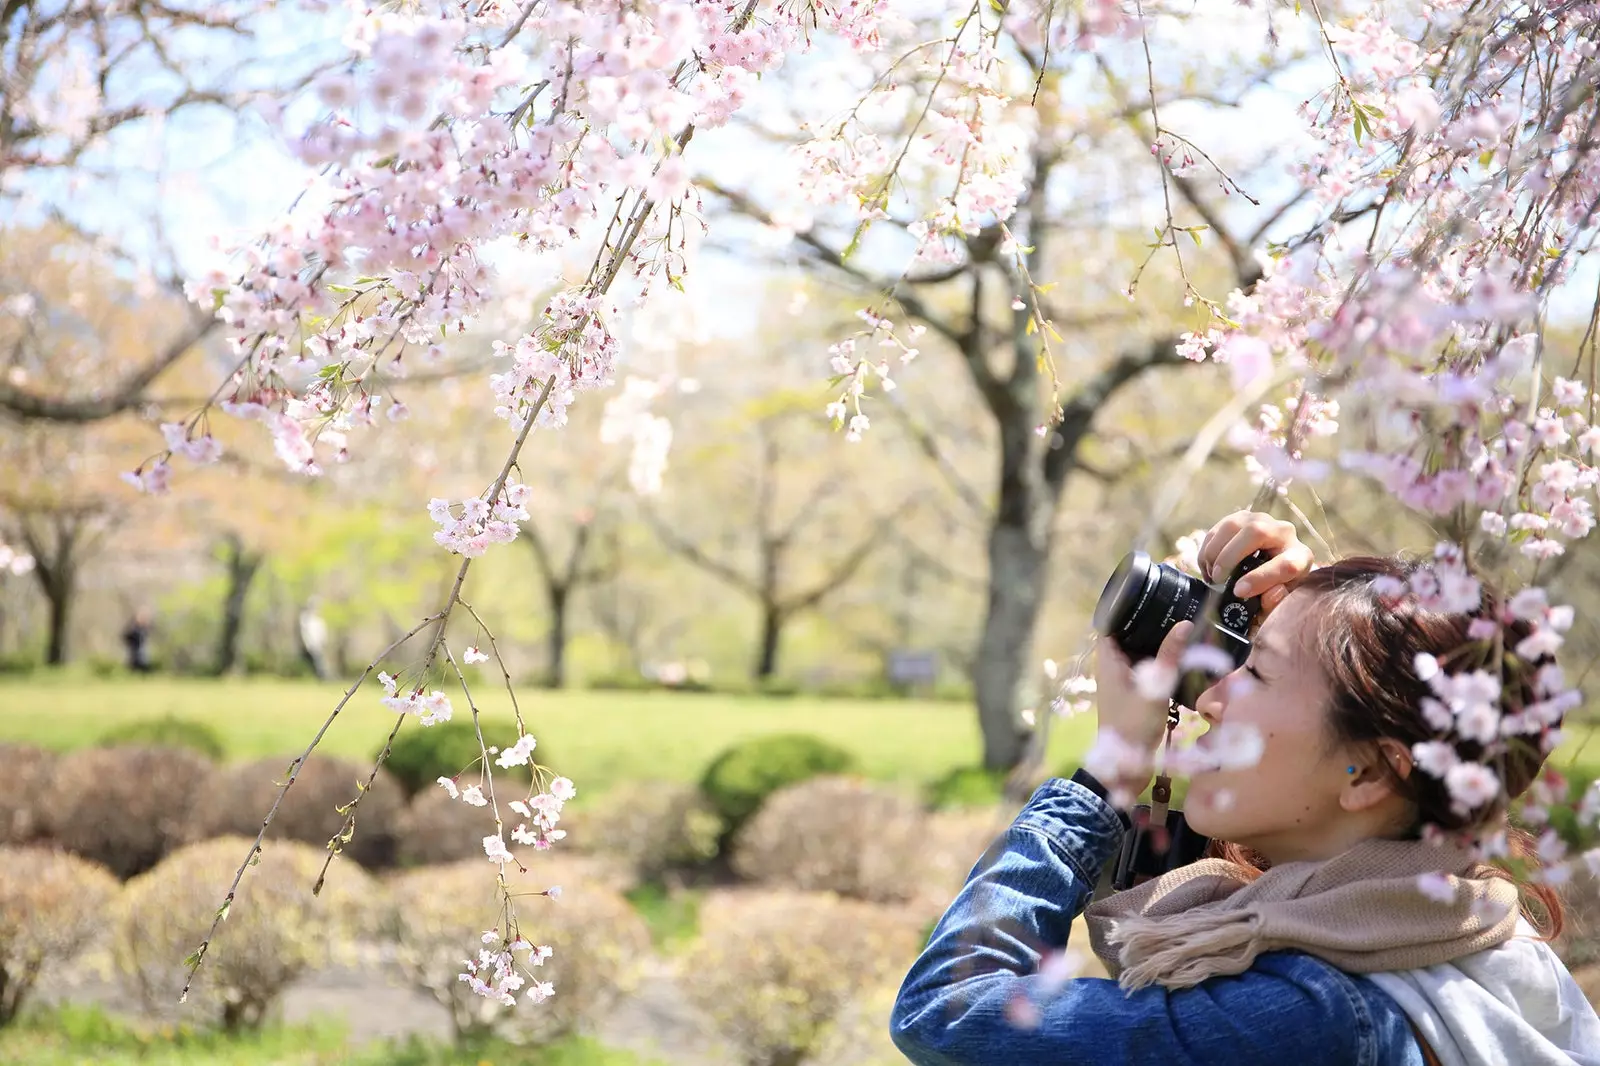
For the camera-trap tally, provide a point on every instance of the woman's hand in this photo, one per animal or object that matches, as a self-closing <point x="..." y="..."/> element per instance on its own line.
<point x="1242" y="533"/>
<point x="1131" y="701"/>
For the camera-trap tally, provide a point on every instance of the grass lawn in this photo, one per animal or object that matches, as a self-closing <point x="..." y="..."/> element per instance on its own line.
<point x="72" y="1036"/>
<point x="596" y="738"/>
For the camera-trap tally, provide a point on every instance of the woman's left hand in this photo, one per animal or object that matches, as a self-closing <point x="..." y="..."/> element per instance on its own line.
<point x="1132" y="700"/>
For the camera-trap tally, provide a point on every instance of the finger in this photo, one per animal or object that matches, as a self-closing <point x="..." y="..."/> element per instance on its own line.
<point x="1272" y="597"/>
<point x="1281" y="571"/>
<point x="1217" y="538"/>
<point x="1262" y="533"/>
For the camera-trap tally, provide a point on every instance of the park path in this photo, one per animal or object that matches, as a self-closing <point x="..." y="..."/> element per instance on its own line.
<point x="653" y="1020"/>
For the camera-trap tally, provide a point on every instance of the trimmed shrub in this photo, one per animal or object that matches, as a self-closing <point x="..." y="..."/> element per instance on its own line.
<point x="436" y="829"/>
<point x="438" y="913"/>
<point x="168" y="732"/>
<point x="126" y="807"/>
<point x="653" y="827"/>
<point x="25" y="773"/>
<point x="836" y="834"/>
<point x="773" y="971"/>
<point x="244" y="794"/>
<point x="967" y="786"/>
<point x="275" y="931"/>
<point x="423" y="754"/>
<point x="51" y="905"/>
<point x="740" y="779"/>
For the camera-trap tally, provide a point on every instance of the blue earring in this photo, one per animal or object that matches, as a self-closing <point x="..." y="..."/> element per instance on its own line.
<point x="1349" y="769"/>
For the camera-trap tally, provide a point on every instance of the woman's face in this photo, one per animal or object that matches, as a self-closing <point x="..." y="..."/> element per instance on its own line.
<point x="1287" y="806"/>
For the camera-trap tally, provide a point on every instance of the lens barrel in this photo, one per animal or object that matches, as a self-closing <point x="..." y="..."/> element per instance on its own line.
<point x="1143" y="600"/>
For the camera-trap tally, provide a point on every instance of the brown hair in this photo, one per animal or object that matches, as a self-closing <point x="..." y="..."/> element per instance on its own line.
<point x="1367" y="645"/>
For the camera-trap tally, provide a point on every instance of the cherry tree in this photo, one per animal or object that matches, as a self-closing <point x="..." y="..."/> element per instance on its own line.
<point x="1450" y="188"/>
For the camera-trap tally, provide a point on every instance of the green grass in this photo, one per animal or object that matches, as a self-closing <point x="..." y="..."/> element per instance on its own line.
<point x="76" y="1036"/>
<point x="596" y="738"/>
<point x="672" y="915"/>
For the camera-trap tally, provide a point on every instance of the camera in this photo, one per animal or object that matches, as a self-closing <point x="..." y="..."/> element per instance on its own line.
<point x="1138" y="607"/>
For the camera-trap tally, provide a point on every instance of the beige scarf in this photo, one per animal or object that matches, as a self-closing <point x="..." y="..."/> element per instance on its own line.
<point x="1361" y="911"/>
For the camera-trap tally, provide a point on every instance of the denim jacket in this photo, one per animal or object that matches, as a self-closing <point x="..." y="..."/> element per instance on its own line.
<point x="958" y="1003"/>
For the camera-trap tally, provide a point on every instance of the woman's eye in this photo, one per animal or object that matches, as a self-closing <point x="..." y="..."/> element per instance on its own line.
<point x="1253" y="672"/>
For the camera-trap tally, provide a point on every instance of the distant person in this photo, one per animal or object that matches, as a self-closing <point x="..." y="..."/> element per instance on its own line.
<point x="314" y="640"/>
<point x="136" y="639"/>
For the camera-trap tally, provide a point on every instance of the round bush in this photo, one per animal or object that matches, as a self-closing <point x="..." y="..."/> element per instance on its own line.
<point x="967" y="786"/>
<point x="423" y="754"/>
<point x="275" y="931"/>
<point x="438" y="913"/>
<point x="740" y="779"/>
<point x="836" y="834"/>
<point x="168" y="732"/>
<point x="244" y="794"/>
<point x="654" y="827"/>
<point x="51" y="905"/>
<point x="25" y="773"/>
<point x="126" y="807"/>
<point x="773" y="971"/>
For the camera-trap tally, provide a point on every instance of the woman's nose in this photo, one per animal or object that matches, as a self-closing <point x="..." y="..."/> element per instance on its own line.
<point x="1213" y="700"/>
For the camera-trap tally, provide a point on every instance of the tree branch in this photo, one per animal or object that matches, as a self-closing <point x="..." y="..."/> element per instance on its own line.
<point x="690" y="553"/>
<point x="128" y="393"/>
<point x="825" y="254"/>
<point x="846" y="568"/>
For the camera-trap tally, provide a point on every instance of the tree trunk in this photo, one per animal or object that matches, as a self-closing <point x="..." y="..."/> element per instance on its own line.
<point x="1019" y="562"/>
<point x="556" y="674"/>
<point x="59" y="594"/>
<point x="1018" y="565"/>
<point x="242" y="568"/>
<point x="772" y="620"/>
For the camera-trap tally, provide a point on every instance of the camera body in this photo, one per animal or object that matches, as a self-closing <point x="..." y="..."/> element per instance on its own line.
<point x="1140" y="604"/>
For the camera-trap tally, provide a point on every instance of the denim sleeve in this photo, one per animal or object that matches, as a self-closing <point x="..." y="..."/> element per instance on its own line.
<point x="959" y="1004"/>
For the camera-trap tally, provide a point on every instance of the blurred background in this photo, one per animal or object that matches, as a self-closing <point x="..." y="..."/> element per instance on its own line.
<point x="789" y="685"/>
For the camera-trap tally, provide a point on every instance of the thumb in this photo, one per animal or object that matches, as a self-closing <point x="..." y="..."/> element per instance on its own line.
<point x="1172" y="648"/>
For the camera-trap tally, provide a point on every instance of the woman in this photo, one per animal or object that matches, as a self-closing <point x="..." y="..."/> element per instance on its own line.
<point x="1333" y="955"/>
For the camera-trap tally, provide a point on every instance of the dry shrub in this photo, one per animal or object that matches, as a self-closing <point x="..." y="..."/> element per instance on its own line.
<point x="24" y="785"/>
<point x="953" y="842"/>
<point x="835" y="834"/>
<point x="438" y="915"/>
<point x="243" y="795"/>
<point x="774" y="970"/>
<point x="51" y="904"/>
<point x="126" y="807"/>
<point x="652" y="827"/>
<point x="275" y="931"/>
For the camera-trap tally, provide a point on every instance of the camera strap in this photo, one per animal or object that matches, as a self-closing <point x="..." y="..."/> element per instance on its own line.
<point x="1161" y="791"/>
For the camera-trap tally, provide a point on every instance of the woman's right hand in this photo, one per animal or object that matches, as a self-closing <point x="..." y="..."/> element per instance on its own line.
<point x="1236" y="537"/>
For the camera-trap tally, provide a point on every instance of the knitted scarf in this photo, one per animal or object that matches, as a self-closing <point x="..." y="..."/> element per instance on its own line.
<point x="1362" y="911"/>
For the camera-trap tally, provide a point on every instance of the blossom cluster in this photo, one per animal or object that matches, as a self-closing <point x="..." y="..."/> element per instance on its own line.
<point x="430" y="708"/>
<point x="480" y="523"/>
<point x="495" y="973"/>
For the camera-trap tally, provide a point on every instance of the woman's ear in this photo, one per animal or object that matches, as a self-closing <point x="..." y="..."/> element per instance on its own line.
<point x="1372" y="776"/>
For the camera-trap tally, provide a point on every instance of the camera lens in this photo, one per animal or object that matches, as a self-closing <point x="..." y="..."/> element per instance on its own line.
<point x="1143" y="601"/>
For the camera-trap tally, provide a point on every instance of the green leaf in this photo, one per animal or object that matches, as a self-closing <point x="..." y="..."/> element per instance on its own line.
<point x="222" y="911"/>
<point x="217" y="296"/>
<point x="192" y="959"/>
